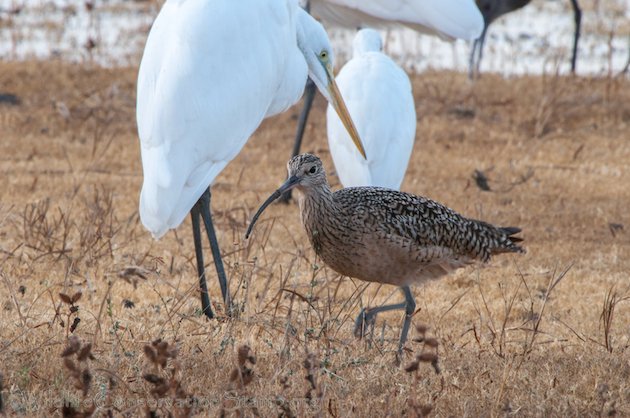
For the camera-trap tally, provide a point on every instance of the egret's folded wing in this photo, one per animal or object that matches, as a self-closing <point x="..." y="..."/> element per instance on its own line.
<point x="446" y="18"/>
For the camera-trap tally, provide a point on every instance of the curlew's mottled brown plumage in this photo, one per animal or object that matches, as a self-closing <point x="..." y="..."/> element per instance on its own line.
<point x="386" y="236"/>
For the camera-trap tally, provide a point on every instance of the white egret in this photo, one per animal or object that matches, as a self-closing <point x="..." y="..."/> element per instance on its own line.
<point x="493" y="9"/>
<point x="380" y="101"/>
<point x="448" y="19"/>
<point x="212" y="70"/>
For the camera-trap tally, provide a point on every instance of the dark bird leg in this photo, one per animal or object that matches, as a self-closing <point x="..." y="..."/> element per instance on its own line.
<point x="577" y="14"/>
<point x="473" y="67"/>
<point x="627" y="66"/>
<point x="367" y="317"/>
<point x="309" y="95"/>
<point x="202" y="209"/>
<point x="471" y="60"/>
<point x="195" y="214"/>
<point x="410" y="308"/>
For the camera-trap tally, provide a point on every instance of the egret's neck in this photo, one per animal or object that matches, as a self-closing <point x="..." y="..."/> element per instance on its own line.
<point x="302" y="20"/>
<point x="311" y="40"/>
<point x="367" y="40"/>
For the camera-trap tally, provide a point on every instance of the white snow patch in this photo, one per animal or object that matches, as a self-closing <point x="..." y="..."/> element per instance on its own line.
<point x="533" y="40"/>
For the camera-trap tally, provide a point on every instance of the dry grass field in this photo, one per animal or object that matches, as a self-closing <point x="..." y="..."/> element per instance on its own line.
<point x="541" y="334"/>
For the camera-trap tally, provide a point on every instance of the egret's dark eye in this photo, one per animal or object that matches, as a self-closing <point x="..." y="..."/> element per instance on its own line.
<point x="323" y="55"/>
<point x="312" y="170"/>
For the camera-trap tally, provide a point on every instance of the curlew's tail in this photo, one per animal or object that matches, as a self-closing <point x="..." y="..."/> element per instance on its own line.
<point x="507" y="242"/>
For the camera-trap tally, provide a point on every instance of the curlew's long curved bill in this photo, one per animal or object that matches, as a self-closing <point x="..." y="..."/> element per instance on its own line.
<point x="342" y="111"/>
<point x="288" y="185"/>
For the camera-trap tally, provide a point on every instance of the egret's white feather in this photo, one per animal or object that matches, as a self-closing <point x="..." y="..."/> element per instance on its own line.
<point x="208" y="77"/>
<point x="446" y="18"/>
<point x="380" y="101"/>
<point x="212" y="70"/>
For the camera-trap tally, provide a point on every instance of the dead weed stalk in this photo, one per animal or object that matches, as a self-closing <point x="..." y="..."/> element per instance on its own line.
<point x="167" y="389"/>
<point x="427" y="355"/>
<point x="81" y="375"/>
<point x="548" y="103"/>
<point x="551" y="285"/>
<point x="46" y="232"/>
<point x="611" y="300"/>
<point x="73" y="311"/>
<point x="237" y="397"/>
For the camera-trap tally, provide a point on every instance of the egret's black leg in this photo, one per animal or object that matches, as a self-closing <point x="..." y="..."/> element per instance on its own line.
<point x="195" y="214"/>
<point x="471" y="60"/>
<point x="577" y="15"/>
<point x="478" y="47"/>
<point x="204" y="203"/>
<point x="627" y="66"/>
<point x="367" y="317"/>
<point x="309" y="95"/>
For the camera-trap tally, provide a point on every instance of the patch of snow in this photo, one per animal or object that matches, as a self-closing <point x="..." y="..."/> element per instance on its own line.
<point x="533" y="40"/>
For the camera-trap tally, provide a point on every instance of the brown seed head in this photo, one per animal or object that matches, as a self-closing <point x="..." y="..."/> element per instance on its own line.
<point x="245" y="354"/>
<point x="421" y="328"/>
<point x="412" y="367"/>
<point x="74" y="345"/>
<point x="75" y="298"/>
<point x="65" y="298"/>
<point x="75" y="324"/>
<point x="150" y="353"/>
<point x="86" y="378"/>
<point x="426" y="357"/>
<point x="431" y="342"/>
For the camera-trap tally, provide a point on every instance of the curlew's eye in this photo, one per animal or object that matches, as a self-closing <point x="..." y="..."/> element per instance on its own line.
<point x="312" y="170"/>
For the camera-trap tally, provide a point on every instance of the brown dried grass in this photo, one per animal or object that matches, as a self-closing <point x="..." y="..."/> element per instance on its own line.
<point x="528" y="334"/>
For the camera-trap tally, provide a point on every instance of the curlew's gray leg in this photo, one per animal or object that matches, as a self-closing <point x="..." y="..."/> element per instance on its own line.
<point x="203" y="209"/>
<point x="410" y="308"/>
<point x="577" y="16"/>
<point x="367" y="317"/>
<point x="309" y="96"/>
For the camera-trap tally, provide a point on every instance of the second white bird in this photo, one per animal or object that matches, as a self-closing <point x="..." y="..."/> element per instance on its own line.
<point x="379" y="98"/>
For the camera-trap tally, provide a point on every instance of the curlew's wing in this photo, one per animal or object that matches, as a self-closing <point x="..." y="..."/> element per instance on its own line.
<point x="430" y="226"/>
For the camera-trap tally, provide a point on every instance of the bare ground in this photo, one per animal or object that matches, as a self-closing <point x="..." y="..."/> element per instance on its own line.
<point x="541" y="334"/>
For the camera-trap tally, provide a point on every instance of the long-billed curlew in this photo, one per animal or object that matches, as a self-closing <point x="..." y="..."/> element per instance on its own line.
<point x="211" y="71"/>
<point x="386" y="236"/>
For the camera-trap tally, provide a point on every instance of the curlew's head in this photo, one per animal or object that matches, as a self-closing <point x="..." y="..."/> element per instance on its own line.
<point x="306" y="173"/>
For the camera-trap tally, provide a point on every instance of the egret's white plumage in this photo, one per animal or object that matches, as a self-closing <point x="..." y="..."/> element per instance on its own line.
<point x="446" y="18"/>
<point x="212" y="70"/>
<point x="379" y="97"/>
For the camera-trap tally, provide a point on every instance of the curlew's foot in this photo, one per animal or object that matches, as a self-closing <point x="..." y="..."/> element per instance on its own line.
<point x="364" y="322"/>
